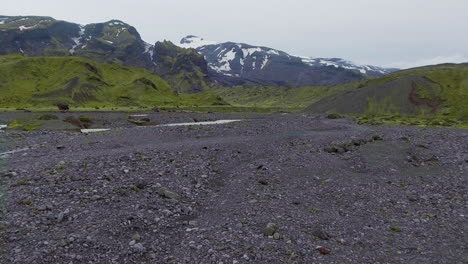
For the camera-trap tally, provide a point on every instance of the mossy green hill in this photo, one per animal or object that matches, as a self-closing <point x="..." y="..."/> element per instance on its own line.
<point x="428" y="92"/>
<point x="41" y="82"/>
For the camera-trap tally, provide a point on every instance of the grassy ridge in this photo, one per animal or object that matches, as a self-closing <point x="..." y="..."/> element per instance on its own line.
<point x="278" y="97"/>
<point x="435" y="95"/>
<point x="39" y="82"/>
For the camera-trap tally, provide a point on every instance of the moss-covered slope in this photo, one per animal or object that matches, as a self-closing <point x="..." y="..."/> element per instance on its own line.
<point x="45" y="81"/>
<point x="432" y="91"/>
<point x="109" y="42"/>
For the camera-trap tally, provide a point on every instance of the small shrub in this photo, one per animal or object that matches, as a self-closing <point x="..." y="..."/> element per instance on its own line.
<point x="63" y="107"/>
<point x="25" y="126"/>
<point x="47" y="117"/>
<point x="85" y="119"/>
<point x="334" y="116"/>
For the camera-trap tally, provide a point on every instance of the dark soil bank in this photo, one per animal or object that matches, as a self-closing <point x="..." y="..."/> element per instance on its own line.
<point x="269" y="189"/>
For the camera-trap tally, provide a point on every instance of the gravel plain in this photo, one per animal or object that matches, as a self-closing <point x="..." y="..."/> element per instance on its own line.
<point x="272" y="188"/>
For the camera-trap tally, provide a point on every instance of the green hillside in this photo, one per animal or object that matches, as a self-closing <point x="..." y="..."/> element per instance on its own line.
<point x="40" y="82"/>
<point x="438" y="93"/>
<point x="277" y="97"/>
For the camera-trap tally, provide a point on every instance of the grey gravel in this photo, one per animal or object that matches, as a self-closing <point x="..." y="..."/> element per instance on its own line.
<point x="335" y="191"/>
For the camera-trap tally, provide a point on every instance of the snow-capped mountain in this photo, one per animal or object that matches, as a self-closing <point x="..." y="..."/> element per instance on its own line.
<point x="44" y="36"/>
<point x="267" y="65"/>
<point x="112" y="41"/>
<point x="190" y="67"/>
<point x="370" y="70"/>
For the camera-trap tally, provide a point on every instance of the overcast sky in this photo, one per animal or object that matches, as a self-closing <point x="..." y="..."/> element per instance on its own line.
<point x="393" y="33"/>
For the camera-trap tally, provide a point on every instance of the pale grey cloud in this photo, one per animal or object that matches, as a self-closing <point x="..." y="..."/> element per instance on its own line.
<point x="379" y="32"/>
<point x="458" y="58"/>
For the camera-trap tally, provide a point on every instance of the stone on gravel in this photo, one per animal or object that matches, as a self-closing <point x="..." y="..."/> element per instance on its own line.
<point x="168" y="194"/>
<point x="323" y="251"/>
<point x="377" y="138"/>
<point x="136" y="237"/>
<point x="61" y="216"/>
<point x="276" y="236"/>
<point x="139" y="247"/>
<point x="330" y="149"/>
<point x="321" y="234"/>
<point x="270" y="229"/>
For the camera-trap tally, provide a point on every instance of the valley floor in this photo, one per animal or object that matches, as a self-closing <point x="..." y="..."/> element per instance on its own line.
<point x="206" y="194"/>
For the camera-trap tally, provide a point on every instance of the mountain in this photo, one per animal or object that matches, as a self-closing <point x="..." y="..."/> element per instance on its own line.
<point x="110" y="42"/>
<point x="231" y="61"/>
<point x="440" y="90"/>
<point x="193" y="67"/>
<point x="185" y="69"/>
<point x="42" y="82"/>
<point x="113" y="41"/>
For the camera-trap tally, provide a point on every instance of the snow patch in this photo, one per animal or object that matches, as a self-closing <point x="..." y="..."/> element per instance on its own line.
<point x="273" y="52"/>
<point x="250" y="51"/>
<point x="329" y="63"/>
<point x="77" y="43"/>
<point x="23" y="28"/>
<point x="19" y="20"/>
<point x="94" y="130"/>
<point x="308" y="61"/>
<point x="116" y="23"/>
<point x="226" y="59"/>
<point x="77" y="40"/>
<point x="195" y="42"/>
<point x="149" y="49"/>
<point x="217" y="122"/>
<point x="120" y="30"/>
<point x="264" y="63"/>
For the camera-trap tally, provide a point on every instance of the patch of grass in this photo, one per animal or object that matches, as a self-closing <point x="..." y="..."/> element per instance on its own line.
<point x="42" y="82"/>
<point x="85" y="119"/>
<point x="432" y="96"/>
<point x="422" y="121"/>
<point x="276" y="97"/>
<point x="24" y="125"/>
<point x="313" y="210"/>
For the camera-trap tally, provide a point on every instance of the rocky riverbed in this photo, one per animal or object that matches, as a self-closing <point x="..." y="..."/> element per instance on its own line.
<point x="266" y="189"/>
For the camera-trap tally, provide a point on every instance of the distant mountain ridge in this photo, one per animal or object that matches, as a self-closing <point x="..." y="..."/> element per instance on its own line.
<point x="109" y="42"/>
<point x="271" y="66"/>
<point x="112" y="41"/>
<point x="193" y="66"/>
